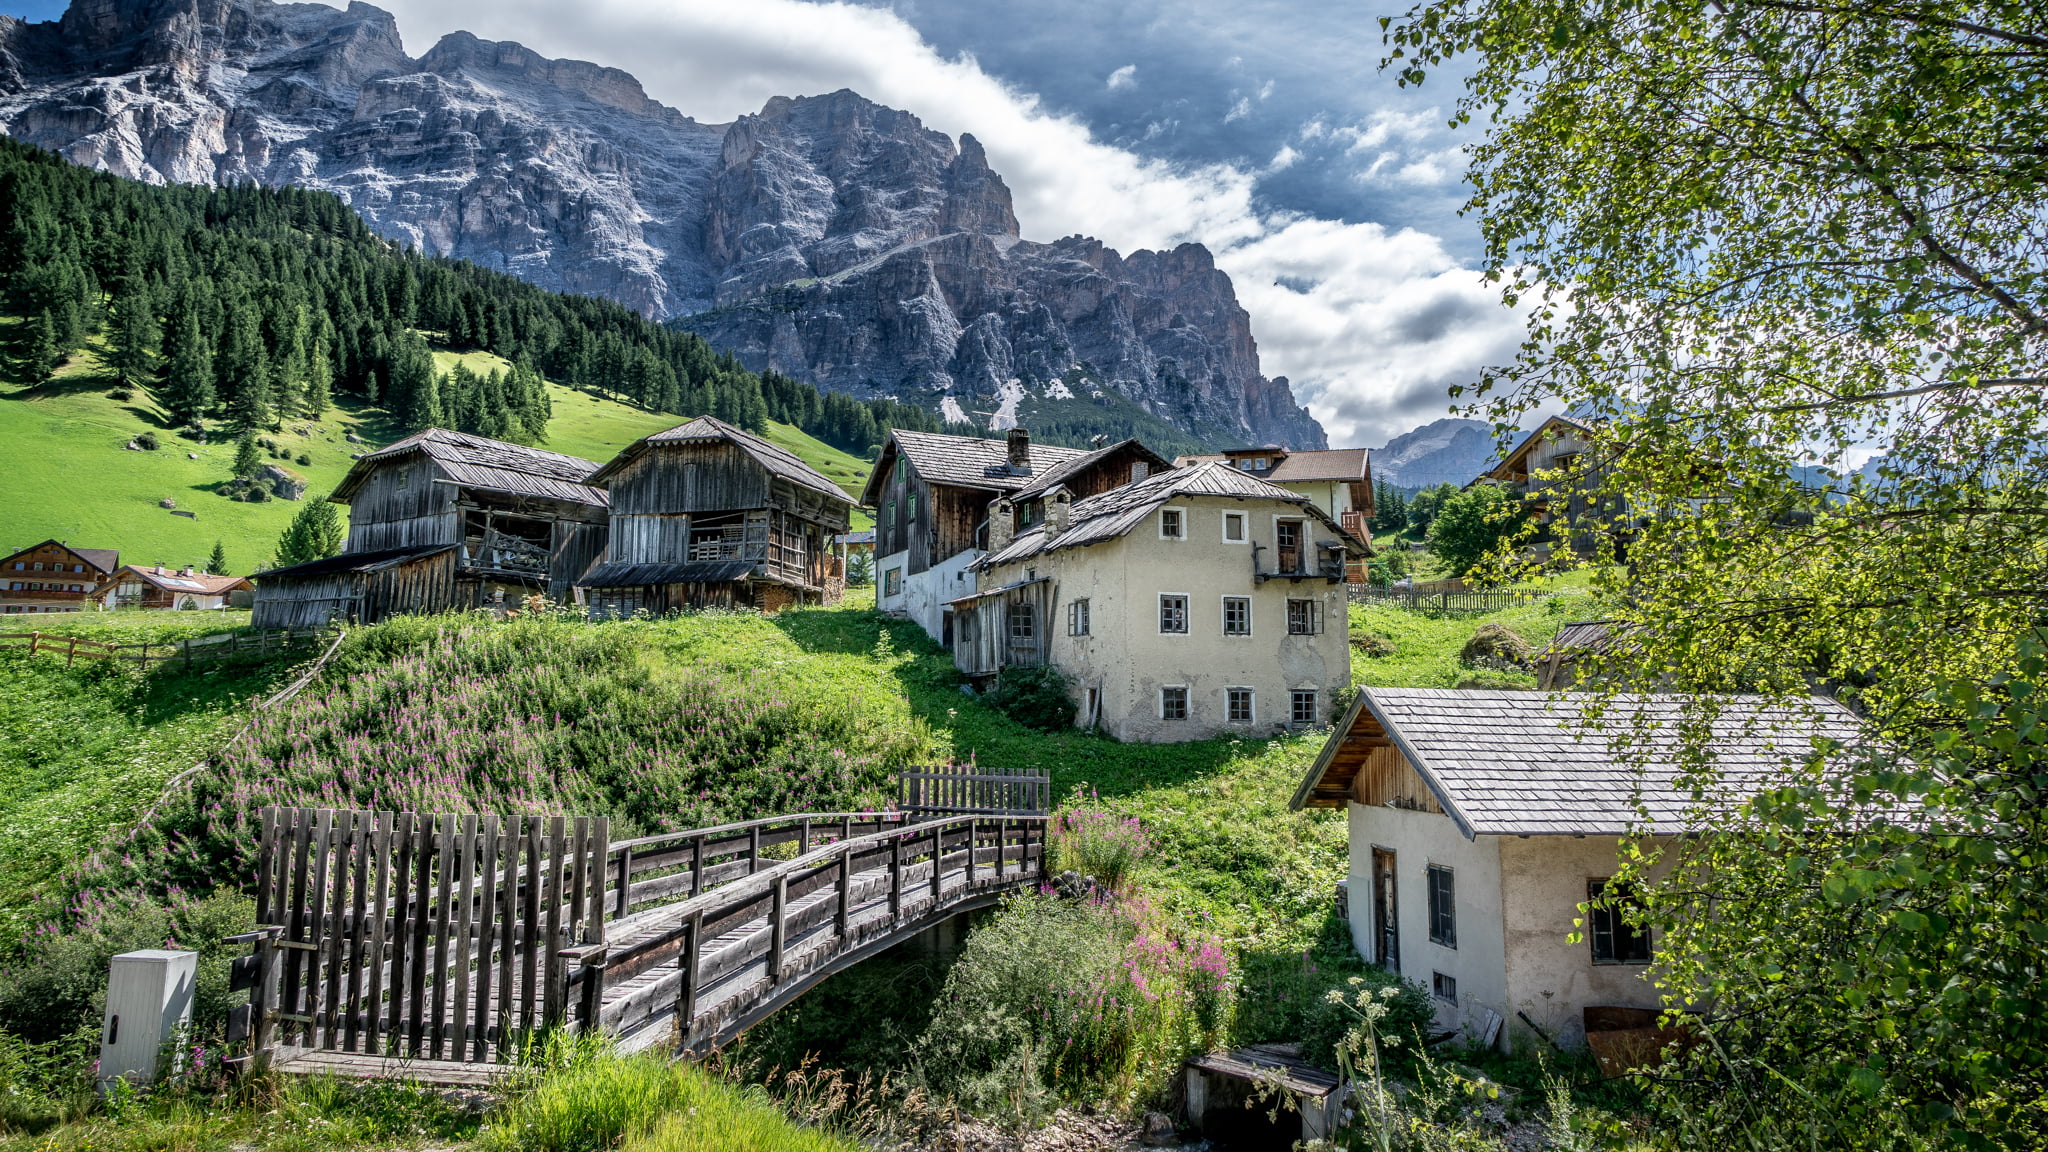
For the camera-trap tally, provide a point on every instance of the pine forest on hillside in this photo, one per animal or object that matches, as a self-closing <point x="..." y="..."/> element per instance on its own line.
<point x="241" y="307"/>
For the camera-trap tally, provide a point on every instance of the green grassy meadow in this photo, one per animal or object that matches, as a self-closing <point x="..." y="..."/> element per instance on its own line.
<point x="70" y="478"/>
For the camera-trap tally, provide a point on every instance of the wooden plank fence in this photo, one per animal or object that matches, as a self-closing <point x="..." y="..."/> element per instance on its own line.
<point x="435" y="945"/>
<point x="195" y="650"/>
<point x="1491" y="601"/>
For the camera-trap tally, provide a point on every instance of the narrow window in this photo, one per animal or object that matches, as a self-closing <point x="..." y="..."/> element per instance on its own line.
<point x="1077" y="618"/>
<point x="1237" y="705"/>
<point x="892" y="582"/>
<point x="1287" y="535"/>
<point x="889" y="515"/>
<point x="1172" y="524"/>
<point x="1233" y="527"/>
<point x="1303" y="709"/>
<point x="1304" y="617"/>
<point x="1023" y="625"/>
<point x="1615" y="939"/>
<point x="1173" y="703"/>
<point x="404" y="475"/>
<point x="910" y="509"/>
<point x="1173" y="614"/>
<point x="1237" y="615"/>
<point x="1444" y="987"/>
<point x="1443" y="906"/>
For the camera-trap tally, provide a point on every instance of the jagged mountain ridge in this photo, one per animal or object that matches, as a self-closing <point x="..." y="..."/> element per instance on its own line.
<point x="830" y="238"/>
<point x="1448" y="450"/>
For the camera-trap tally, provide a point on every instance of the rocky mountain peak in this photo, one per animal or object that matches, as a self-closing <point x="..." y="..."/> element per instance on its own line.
<point x="828" y="237"/>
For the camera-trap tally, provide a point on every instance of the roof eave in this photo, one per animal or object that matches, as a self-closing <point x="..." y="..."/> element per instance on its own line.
<point x="1421" y="766"/>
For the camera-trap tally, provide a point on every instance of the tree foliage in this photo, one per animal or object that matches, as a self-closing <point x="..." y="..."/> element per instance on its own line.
<point x="1474" y="524"/>
<point x="1758" y="240"/>
<point x="315" y="533"/>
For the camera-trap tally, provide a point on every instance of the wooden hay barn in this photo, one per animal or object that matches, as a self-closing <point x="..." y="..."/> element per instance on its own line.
<point x="442" y="520"/>
<point x="709" y="515"/>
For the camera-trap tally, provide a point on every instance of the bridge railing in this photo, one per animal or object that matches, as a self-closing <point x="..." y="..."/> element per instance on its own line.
<point x="659" y="869"/>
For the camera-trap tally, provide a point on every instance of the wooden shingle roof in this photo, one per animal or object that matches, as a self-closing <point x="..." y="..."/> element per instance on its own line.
<point x="1113" y="513"/>
<point x="1527" y="764"/>
<point x="777" y="460"/>
<point x="964" y="461"/>
<point x="481" y="462"/>
<point x="1043" y="480"/>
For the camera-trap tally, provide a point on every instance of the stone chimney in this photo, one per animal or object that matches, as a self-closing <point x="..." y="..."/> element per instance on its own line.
<point x="1002" y="523"/>
<point x="1020" y="451"/>
<point x="1059" y="505"/>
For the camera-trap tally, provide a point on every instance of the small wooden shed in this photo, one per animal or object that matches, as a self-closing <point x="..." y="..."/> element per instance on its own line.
<point x="356" y="586"/>
<point x="1002" y="626"/>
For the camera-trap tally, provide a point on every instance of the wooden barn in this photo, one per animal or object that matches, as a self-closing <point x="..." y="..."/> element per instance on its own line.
<point x="441" y="520"/>
<point x="709" y="515"/>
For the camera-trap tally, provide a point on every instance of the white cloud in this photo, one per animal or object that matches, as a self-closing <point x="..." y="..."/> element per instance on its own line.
<point x="1283" y="159"/>
<point x="1265" y="89"/>
<point x="1124" y="77"/>
<point x="1239" y="110"/>
<point x="1362" y="344"/>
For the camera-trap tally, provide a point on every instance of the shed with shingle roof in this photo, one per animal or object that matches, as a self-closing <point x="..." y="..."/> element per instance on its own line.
<point x="1486" y="832"/>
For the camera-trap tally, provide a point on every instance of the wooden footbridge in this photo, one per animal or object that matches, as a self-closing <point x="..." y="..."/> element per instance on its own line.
<point x="435" y="946"/>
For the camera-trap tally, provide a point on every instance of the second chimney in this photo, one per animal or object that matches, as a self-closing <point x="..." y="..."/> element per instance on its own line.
<point x="1020" y="450"/>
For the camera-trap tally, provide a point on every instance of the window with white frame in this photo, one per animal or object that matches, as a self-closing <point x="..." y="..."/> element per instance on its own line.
<point x="1173" y="702"/>
<point x="1173" y="524"/>
<point x="1173" y="614"/>
<point x="1302" y="706"/>
<point x="1237" y="615"/>
<point x="1237" y="705"/>
<point x="1233" y="528"/>
<point x="1304" y="617"/>
<point x="1444" y="988"/>
<point x="1077" y="618"/>
<point x="892" y="582"/>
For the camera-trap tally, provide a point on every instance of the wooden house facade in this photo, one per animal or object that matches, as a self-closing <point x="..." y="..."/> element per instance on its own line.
<point x="53" y="577"/>
<point x="709" y="515"/>
<point x="936" y="495"/>
<point x="442" y="520"/>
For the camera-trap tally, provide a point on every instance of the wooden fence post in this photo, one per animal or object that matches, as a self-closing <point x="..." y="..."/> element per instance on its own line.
<point x="753" y="849"/>
<point x="623" y="904"/>
<point x="896" y="876"/>
<point x="845" y="888"/>
<point x="686" y="994"/>
<point x="938" y="856"/>
<point x="778" y="933"/>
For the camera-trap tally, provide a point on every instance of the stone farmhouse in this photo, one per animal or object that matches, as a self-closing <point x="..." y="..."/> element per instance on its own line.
<point x="936" y="497"/>
<point x="1481" y="821"/>
<point x="53" y="577"/>
<point x="1189" y="603"/>
<point x="1338" y="480"/>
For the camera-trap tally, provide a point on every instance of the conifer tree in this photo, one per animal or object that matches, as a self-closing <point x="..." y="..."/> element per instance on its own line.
<point x="186" y="393"/>
<point x="136" y="338"/>
<point x="314" y="534"/>
<point x="40" y="360"/>
<point x="217" y="563"/>
<point x="247" y="458"/>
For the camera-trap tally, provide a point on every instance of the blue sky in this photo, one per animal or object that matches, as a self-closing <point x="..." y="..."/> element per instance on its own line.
<point x="1261" y="128"/>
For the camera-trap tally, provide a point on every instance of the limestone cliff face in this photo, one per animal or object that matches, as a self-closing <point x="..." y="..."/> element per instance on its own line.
<point x="829" y="237"/>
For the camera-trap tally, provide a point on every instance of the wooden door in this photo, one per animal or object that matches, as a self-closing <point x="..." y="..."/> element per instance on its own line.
<point x="1386" y="912"/>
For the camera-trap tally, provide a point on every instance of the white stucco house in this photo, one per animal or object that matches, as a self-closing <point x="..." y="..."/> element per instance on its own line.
<point x="1480" y="821"/>
<point x="1191" y="603"/>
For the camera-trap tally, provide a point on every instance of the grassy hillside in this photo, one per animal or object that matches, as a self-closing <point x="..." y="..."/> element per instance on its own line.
<point x="68" y="475"/>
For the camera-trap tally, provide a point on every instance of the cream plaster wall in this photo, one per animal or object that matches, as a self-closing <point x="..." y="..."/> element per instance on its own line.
<point x="925" y="594"/>
<point x="898" y="561"/>
<point x="1418" y="840"/>
<point x="1543" y="881"/>
<point x="1126" y="660"/>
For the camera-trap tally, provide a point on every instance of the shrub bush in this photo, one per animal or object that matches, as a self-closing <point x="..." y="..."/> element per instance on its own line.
<point x="1324" y="1024"/>
<point x="1040" y="698"/>
<point x="1101" y="845"/>
<point x="305" y="459"/>
<point x="1496" y="646"/>
<point x="1376" y="647"/>
<point x="147" y="442"/>
<point x="121" y="395"/>
<point x="1072" y="999"/>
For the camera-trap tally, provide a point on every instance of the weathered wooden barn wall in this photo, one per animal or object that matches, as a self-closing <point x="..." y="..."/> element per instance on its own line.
<point x="363" y="596"/>
<point x="984" y="640"/>
<point x="578" y="544"/>
<point x="399" y="505"/>
<point x="307" y="602"/>
<point x="424" y="585"/>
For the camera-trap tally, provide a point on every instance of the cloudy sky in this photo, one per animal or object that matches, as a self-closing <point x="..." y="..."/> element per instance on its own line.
<point x="1261" y="128"/>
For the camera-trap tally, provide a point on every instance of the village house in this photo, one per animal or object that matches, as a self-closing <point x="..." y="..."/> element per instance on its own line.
<point x="1552" y="470"/>
<point x="172" y="589"/>
<point x="53" y="577"/>
<point x="443" y="520"/>
<point x="934" y="496"/>
<point x="1192" y="603"/>
<point x="709" y="515"/>
<point x="1480" y="822"/>
<point x="1338" y="480"/>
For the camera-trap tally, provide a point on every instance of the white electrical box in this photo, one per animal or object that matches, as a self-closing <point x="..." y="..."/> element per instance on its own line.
<point x="149" y="1005"/>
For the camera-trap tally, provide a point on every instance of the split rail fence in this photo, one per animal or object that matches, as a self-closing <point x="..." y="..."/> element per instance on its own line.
<point x="196" y="650"/>
<point x="436" y="946"/>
